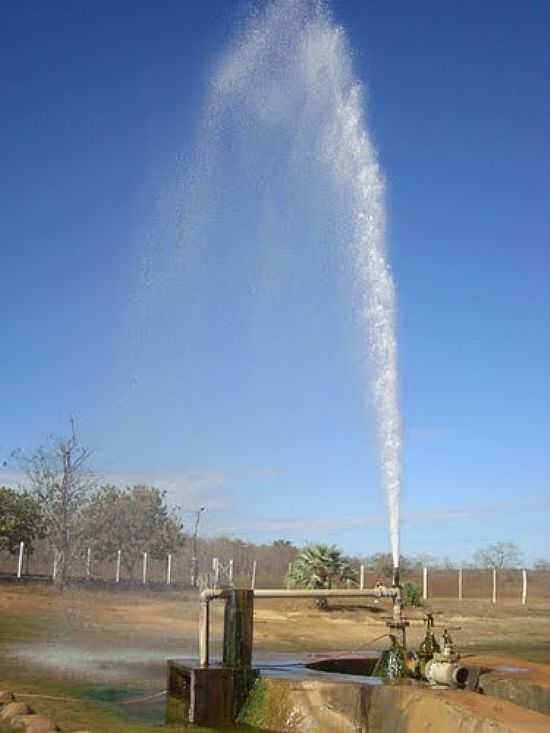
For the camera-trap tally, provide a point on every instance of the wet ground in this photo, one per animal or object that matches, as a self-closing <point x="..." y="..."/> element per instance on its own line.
<point x="103" y="655"/>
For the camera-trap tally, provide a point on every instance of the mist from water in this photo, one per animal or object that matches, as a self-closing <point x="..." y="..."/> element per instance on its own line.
<point x="288" y="74"/>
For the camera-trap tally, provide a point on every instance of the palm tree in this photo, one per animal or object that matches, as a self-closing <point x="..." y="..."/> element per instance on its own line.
<point x="320" y="566"/>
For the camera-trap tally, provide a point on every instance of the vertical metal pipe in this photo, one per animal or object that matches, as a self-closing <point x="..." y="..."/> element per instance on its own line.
<point x="204" y="632"/>
<point x="524" y="588"/>
<point x="169" y="570"/>
<point x="460" y="584"/>
<point x="494" y="585"/>
<point x="231" y="572"/>
<point x="425" y="584"/>
<point x="396" y="578"/>
<point x="362" y="577"/>
<point x="20" y="560"/>
<point x="253" y="578"/>
<point x="54" y="571"/>
<point x="89" y="563"/>
<point x="118" y="557"/>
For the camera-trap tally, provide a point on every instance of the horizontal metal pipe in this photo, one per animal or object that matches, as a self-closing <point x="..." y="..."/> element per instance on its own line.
<point x="381" y="592"/>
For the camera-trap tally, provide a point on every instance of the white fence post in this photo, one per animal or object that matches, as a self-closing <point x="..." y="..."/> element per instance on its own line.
<point x="253" y="578"/>
<point x="20" y="560"/>
<point x="494" y="585"/>
<point x="362" y="577"/>
<point x="117" y="576"/>
<point x="169" y="570"/>
<point x="54" y="571"/>
<point x="425" y="584"/>
<point x="89" y="563"/>
<point x="460" y="584"/>
<point x="231" y="572"/>
<point x="524" y="589"/>
<point x="144" y="579"/>
<point x="216" y="568"/>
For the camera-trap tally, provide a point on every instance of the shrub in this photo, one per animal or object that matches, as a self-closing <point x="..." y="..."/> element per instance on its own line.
<point x="411" y="595"/>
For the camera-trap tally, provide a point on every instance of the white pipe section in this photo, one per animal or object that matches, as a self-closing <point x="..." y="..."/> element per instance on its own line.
<point x="446" y="673"/>
<point x="425" y="584"/>
<point x="524" y="589"/>
<point x="494" y="585"/>
<point x="54" y="572"/>
<point x="253" y="579"/>
<point x="362" y="577"/>
<point x="460" y="584"/>
<point x="380" y="592"/>
<point x="144" y="579"/>
<point x="117" y="576"/>
<point x="89" y="563"/>
<point x="169" y="570"/>
<point x="216" y="572"/>
<point x="20" y="560"/>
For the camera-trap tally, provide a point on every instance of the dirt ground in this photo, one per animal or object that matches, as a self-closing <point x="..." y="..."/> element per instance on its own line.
<point x="96" y="659"/>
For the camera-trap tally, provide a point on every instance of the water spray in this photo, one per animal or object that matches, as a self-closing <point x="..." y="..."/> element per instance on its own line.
<point x="289" y="76"/>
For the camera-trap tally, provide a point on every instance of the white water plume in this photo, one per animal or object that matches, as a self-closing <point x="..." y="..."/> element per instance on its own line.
<point x="289" y="73"/>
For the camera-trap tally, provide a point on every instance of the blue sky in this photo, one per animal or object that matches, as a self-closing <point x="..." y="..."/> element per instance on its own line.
<point x="235" y="382"/>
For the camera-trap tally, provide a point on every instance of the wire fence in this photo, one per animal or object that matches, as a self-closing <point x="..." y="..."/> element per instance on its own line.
<point x="244" y="571"/>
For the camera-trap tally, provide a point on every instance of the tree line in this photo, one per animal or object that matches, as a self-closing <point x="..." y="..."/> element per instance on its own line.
<point x="64" y="502"/>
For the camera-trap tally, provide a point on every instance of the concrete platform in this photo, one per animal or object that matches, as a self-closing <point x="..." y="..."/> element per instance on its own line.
<point x="335" y="693"/>
<point x="525" y="683"/>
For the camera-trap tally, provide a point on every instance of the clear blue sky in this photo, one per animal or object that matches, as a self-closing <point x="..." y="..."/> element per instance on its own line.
<point x="253" y="403"/>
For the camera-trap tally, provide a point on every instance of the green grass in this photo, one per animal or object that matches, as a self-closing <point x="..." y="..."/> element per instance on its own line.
<point x="86" y="707"/>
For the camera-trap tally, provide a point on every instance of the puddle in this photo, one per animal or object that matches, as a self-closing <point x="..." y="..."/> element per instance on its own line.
<point x="133" y="703"/>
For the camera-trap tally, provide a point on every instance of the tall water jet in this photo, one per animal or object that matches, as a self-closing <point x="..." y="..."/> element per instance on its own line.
<point x="289" y="73"/>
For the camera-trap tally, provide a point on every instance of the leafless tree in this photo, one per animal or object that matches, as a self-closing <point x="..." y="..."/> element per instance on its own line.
<point x="499" y="555"/>
<point x="61" y="480"/>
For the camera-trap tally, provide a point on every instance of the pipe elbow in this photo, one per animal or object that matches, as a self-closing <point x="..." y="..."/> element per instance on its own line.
<point x="208" y="594"/>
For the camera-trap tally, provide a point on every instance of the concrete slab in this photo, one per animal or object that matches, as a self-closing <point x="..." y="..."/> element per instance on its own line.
<point x="281" y="704"/>
<point x="524" y="683"/>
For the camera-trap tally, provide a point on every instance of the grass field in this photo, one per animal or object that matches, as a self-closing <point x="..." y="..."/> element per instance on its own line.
<point x="96" y="660"/>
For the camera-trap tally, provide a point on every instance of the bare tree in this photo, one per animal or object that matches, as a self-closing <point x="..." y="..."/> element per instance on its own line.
<point x="498" y="555"/>
<point x="61" y="481"/>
